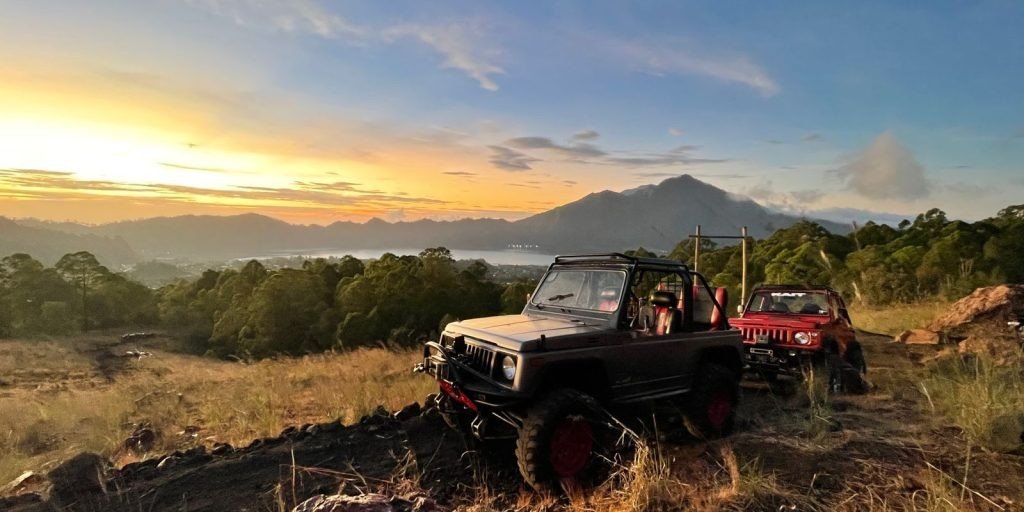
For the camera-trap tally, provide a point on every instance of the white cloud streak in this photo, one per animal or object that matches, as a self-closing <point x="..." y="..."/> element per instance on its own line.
<point x="673" y="58"/>
<point x="463" y="46"/>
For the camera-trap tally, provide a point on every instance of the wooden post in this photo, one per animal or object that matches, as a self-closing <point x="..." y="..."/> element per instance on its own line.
<point x="696" y="250"/>
<point x="743" y="253"/>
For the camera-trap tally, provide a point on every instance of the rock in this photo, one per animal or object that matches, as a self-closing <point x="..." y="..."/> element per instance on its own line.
<point x="167" y="462"/>
<point x="1007" y="433"/>
<point x="410" y="411"/>
<point x="985" y="309"/>
<point x="141" y="440"/>
<point x="84" y="473"/>
<point x="25" y="482"/>
<point x="221" y="449"/>
<point x="919" y="337"/>
<point x="999" y="349"/>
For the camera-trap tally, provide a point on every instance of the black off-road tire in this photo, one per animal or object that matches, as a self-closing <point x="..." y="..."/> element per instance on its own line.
<point x="533" y="443"/>
<point x="854" y="369"/>
<point x="855" y="356"/>
<point x="710" y="407"/>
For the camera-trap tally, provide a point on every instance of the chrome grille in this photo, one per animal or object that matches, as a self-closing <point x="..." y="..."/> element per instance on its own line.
<point x="775" y="334"/>
<point x="480" y="358"/>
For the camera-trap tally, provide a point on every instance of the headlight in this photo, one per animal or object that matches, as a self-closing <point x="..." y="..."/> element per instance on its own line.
<point x="802" y="338"/>
<point x="508" y="368"/>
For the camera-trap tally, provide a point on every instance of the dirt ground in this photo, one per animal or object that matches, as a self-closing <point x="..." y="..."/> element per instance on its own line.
<point x="884" y="450"/>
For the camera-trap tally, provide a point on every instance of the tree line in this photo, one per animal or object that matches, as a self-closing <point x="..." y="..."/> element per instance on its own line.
<point x="343" y="303"/>
<point x="876" y="264"/>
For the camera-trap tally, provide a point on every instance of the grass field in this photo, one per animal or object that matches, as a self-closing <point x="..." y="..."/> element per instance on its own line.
<point x="895" y="318"/>
<point x="56" y="399"/>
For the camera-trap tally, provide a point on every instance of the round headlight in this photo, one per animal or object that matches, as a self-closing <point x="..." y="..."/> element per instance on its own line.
<point x="508" y="368"/>
<point x="802" y="338"/>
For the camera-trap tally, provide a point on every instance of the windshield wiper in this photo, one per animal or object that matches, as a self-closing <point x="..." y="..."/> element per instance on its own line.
<point x="555" y="298"/>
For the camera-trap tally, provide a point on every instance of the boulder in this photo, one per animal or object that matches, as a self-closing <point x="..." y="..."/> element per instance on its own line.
<point x="988" y="308"/>
<point x="83" y="474"/>
<point x="919" y="337"/>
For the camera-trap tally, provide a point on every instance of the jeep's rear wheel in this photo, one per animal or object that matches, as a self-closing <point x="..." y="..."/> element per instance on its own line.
<point x="711" y="406"/>
<point x="562" y="440"/>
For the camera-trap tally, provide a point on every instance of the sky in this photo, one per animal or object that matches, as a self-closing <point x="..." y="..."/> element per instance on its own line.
<point x="320" y="111"/>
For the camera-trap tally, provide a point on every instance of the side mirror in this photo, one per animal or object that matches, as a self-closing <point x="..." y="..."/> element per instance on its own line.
<point x="739" y="308"/>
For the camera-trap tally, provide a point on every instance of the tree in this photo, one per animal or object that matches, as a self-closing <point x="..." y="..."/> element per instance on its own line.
<point x="85" y="273"/>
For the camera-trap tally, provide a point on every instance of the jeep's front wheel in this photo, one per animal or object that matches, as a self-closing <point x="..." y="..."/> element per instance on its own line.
<point x="711" y="405"/>
<point x="561" y="440"/>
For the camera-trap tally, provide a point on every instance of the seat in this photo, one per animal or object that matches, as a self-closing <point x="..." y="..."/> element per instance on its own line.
<point x="811" y="309"/>
<point x="667" y="318"/>
<point x="719" y="316"/>
<point x="780" y="307"/>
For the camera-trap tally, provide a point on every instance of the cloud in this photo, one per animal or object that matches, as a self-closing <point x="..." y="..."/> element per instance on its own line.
<point x="793" y="202"/>
<point x="675" y="132"/>
<point x="510" y="159"/>
<point x="297" y="16"/>
<point x="60" y="185"/>
<point x="813" y="137"/>
<point x="462" y="45"/>
<point x="775" y="141"/>
<point x="586" y="135"/>
<point x="581" y="152"/>
<point x="574" y="151"/>
<point x="885" y="170"/>
<point x="672" y="56"/>
<point x="465" y="174"/>
<point x="680" y="155"/>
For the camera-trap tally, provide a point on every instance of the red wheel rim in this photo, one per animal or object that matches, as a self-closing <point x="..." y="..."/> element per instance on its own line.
<point x="571" y="444"/>
<point x="719" y="409"/>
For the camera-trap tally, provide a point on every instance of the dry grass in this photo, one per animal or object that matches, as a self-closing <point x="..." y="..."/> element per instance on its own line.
<point x="896" y="318"/>
<point x="976" y="395"/>
<point x="229" y="402"/>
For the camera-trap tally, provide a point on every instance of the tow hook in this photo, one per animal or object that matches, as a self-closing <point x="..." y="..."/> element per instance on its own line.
<point x="419" y="368"/>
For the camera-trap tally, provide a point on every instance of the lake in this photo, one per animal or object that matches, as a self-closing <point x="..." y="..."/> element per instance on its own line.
<point x="492" y="257"/>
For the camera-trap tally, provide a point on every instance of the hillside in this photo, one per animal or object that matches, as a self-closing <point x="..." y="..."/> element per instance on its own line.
<point x="49" y="245"/>
<point x="653" y="216"/>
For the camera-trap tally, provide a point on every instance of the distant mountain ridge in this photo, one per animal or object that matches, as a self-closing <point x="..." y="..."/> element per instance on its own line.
<point x="652" y="216"/>
<point x="48" y="245"/>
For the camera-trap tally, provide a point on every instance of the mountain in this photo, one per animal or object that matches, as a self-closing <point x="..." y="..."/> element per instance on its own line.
<point x="48" y="245"/>
<point x="652" y="216"/>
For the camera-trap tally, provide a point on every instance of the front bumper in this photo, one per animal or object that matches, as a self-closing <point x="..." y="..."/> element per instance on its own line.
<point x="776" y="358"/>
<point x="465" y="384"/>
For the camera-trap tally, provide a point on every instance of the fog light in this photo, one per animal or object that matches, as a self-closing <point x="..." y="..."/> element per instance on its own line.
<point x="508" y="368"/>
<point x="802" y="338"/>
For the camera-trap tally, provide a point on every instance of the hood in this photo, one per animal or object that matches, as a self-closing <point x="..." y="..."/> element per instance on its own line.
<point x="520" y="332"/>
<point x="779" y="320"/>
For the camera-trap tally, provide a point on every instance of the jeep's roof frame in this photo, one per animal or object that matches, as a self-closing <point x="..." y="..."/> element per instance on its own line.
<point x="617" y="257"/>
<point x="798" y="287"/>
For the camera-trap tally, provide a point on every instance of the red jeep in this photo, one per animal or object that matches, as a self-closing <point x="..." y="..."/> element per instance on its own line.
<point x="787" y="328"/>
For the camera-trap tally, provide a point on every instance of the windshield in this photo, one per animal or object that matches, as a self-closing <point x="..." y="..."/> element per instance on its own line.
<point x="595" y="290"/>
<point x="804" y="303"/>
